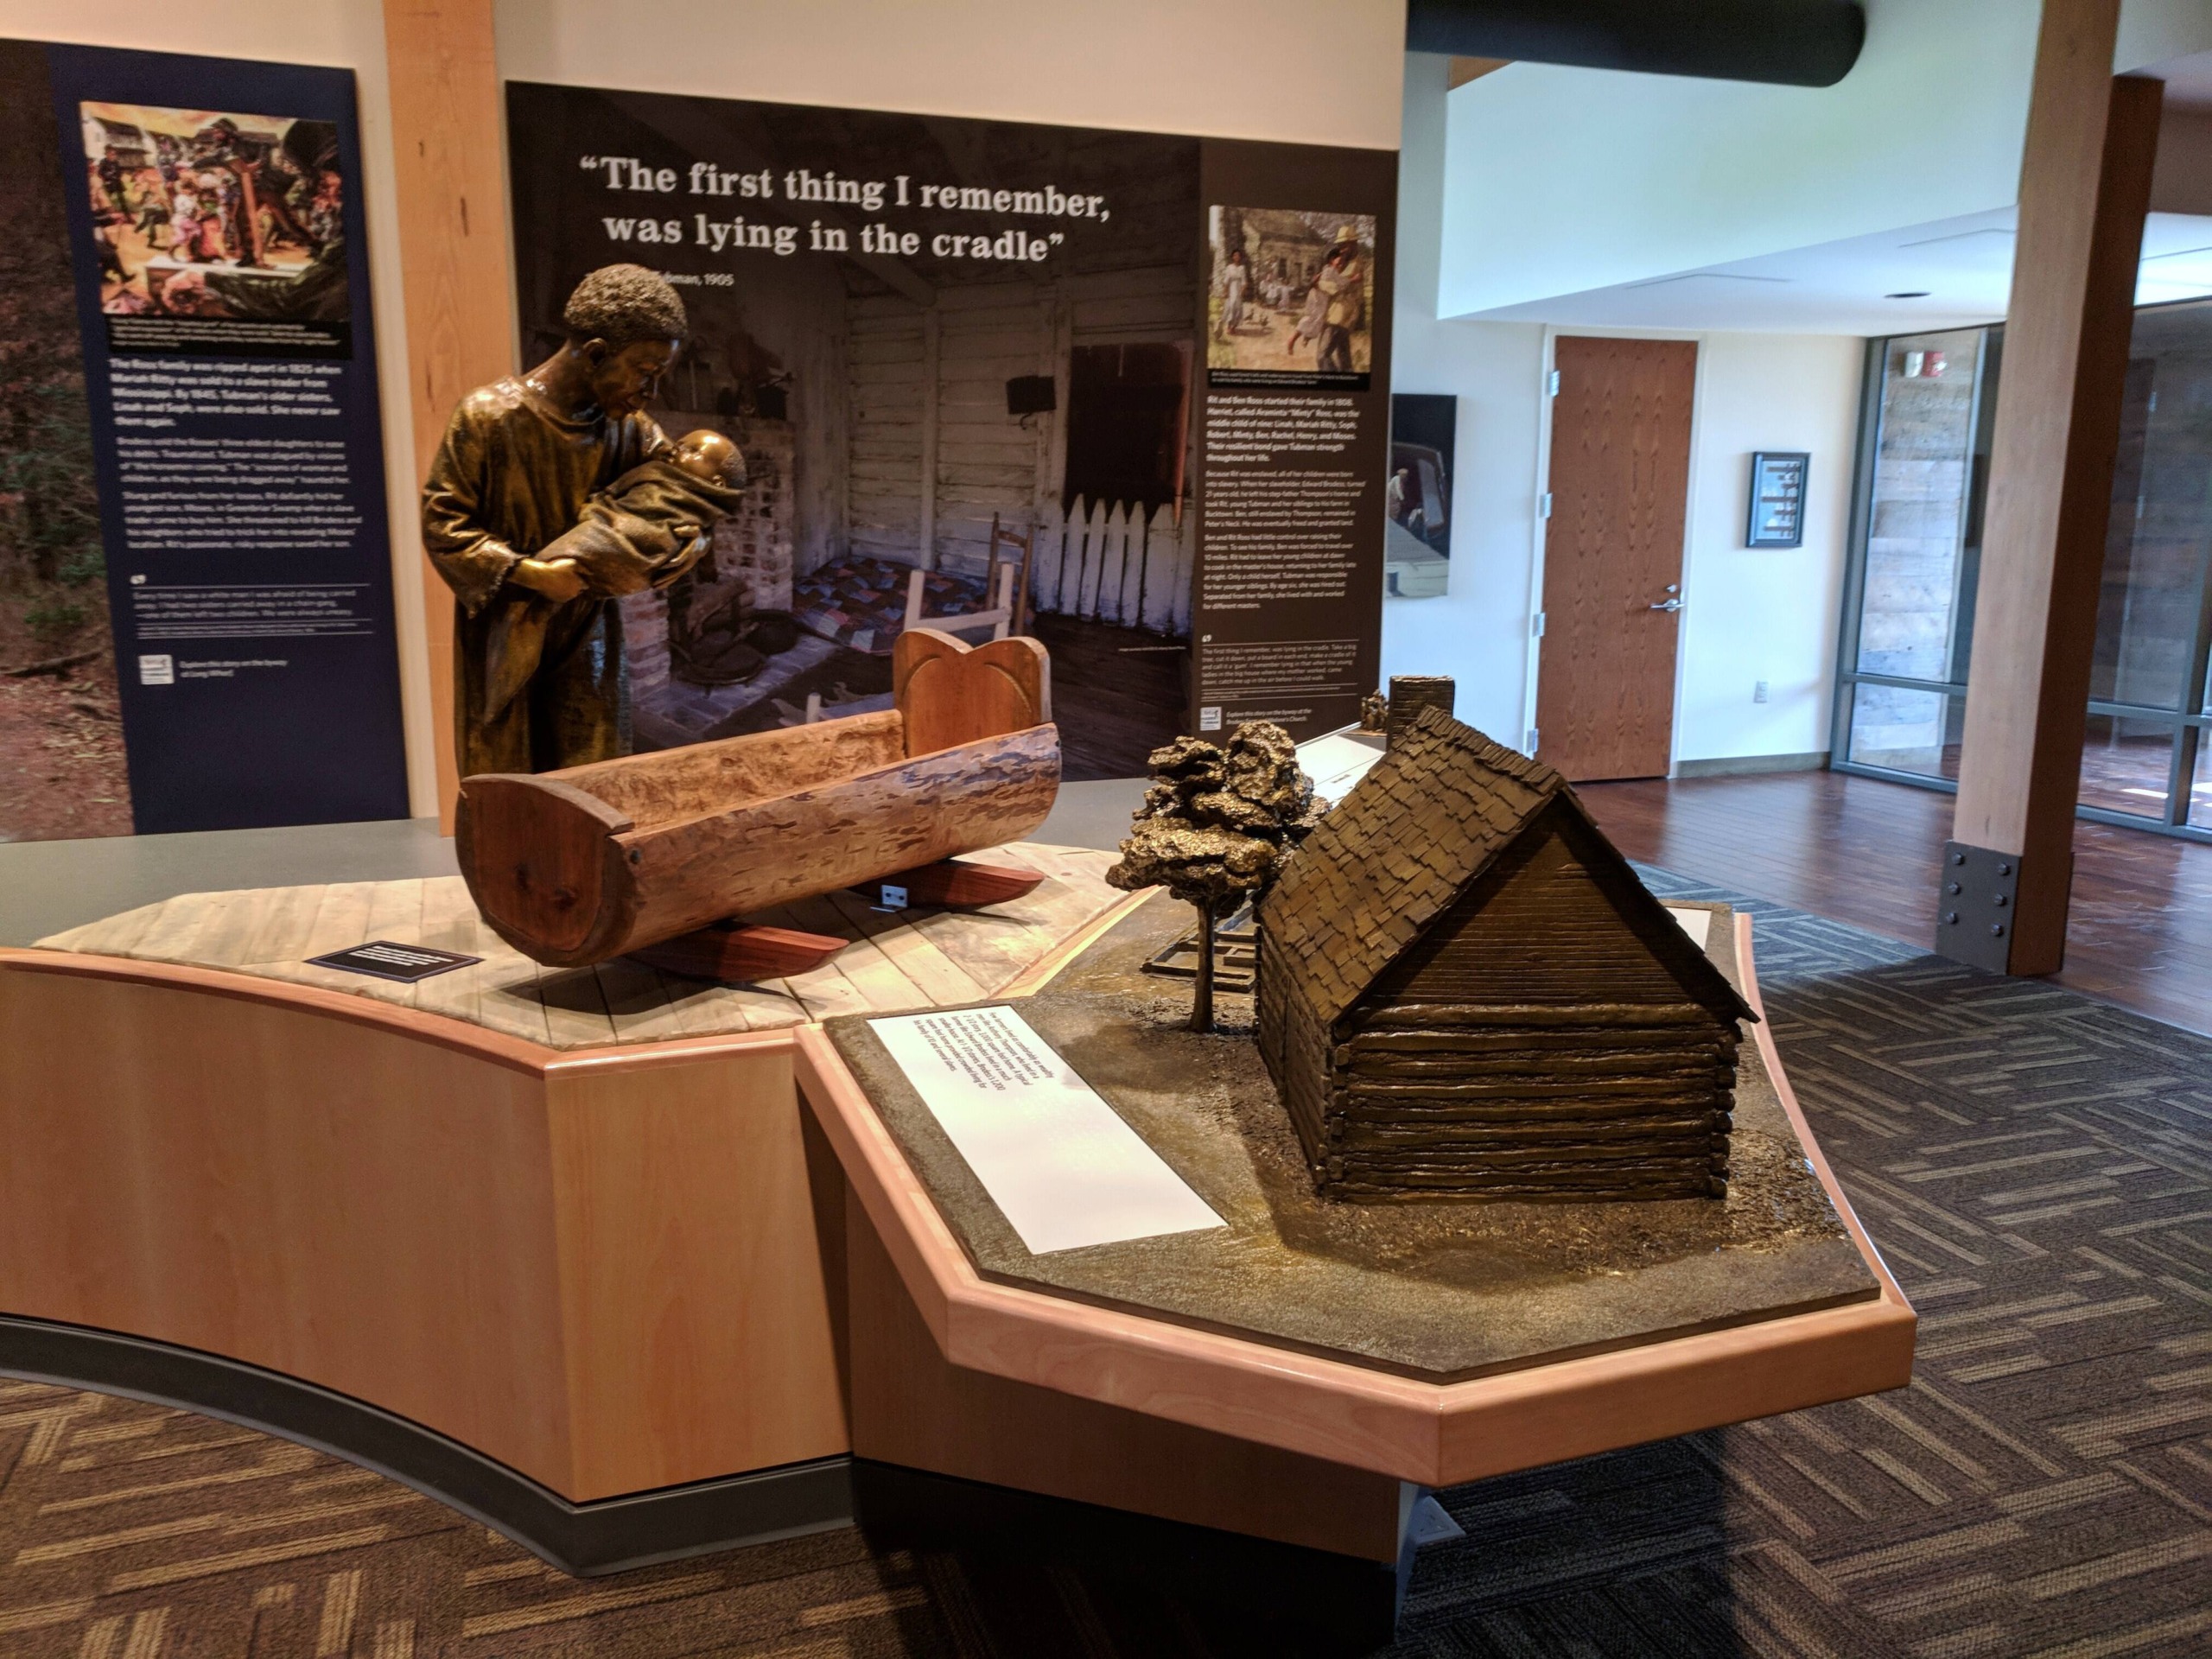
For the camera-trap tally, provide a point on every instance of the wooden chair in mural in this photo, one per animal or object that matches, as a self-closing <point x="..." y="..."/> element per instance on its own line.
<point x="1022" y="542"/>
<point x="999" y="617"/>
<point x="1006" y="589"/>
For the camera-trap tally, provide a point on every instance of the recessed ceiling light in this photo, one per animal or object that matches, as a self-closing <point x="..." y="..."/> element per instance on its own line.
<point x="1908" y="294"/>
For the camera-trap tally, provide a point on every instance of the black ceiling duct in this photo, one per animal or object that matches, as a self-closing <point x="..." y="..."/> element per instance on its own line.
<point x="1787" y="42"/>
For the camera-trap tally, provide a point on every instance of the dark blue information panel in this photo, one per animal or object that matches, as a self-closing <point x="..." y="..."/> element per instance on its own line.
<point x="217" y="241"/>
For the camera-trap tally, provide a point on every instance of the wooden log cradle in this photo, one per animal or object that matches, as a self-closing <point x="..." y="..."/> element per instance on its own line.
<point x="587" y="864"/>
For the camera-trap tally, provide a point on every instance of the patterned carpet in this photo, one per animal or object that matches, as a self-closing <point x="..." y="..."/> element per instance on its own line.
<point x="2033" y="1164"/>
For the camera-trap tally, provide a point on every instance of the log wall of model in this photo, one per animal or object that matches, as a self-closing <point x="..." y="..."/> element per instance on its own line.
<point x="577" y="867"/>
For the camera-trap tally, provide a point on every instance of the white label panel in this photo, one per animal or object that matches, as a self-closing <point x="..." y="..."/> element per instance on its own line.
<point x="1056" y="1159"/>
<point x="1335" y="762"/>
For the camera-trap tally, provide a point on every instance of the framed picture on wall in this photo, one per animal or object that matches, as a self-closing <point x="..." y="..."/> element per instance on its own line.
<point x="1417" y="496"/>
<point x="1776" y="515"/>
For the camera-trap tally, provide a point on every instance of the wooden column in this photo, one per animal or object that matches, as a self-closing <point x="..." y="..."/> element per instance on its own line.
<point x="2085" y="183"/>
<point x="455" y="262"/>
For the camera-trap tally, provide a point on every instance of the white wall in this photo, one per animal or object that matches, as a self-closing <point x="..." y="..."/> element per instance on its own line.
<point x="342" y="35"/>
<point x="1565" y="180"/>
<point x="1478" y="630"/>
<point x="2154" y="31"/>
<point x="1477" y="633"/>
<point x="1653" y="175"/>
<point x="1765" y="613"/>
<point x="1320" y="72"/>
<point x="1768" y="615"/>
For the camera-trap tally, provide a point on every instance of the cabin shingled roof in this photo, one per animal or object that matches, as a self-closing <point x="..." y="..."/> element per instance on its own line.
<point x="1427" y="820"/>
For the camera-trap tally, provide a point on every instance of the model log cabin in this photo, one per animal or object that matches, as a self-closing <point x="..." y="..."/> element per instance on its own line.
<point x="1466" y="992"/>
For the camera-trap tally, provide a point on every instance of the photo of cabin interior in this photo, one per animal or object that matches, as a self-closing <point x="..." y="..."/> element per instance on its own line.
<point x="900" y="415"/>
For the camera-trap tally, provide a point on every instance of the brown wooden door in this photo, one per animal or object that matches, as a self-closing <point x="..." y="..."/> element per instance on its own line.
<point x="1612" y="552"/>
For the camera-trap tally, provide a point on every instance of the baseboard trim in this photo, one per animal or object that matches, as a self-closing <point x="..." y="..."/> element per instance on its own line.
<point x="1746" y="765"/>
<point x="586" y="1540"/>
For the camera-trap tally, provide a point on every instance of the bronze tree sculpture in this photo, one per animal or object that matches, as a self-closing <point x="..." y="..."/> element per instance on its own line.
<point x="1215" y="828"/>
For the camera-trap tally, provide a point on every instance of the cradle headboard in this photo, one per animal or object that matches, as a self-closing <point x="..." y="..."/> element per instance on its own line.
<point x="950" y="693"/>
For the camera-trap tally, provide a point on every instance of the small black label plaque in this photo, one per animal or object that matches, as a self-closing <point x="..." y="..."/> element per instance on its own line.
<point x="385" y="960"/>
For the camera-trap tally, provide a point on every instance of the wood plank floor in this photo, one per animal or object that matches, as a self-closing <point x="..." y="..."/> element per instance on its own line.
<point x="1863" y="851"/>
<point x="1120" y="694"/>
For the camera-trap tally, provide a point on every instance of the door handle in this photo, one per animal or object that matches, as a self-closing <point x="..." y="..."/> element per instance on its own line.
<point x="1668" y="605"/>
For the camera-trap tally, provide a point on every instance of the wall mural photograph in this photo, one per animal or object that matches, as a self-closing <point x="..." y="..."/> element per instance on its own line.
<point x="957" y="358"/>
<point x="207" y="213"/>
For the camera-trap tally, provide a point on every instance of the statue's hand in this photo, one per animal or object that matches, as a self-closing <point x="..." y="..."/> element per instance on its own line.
<point x="557" y="580"/>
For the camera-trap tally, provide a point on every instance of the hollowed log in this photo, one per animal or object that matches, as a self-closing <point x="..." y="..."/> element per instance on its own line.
<point x="583" y="865"/>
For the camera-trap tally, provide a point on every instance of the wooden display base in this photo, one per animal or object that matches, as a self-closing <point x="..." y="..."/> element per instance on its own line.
<point x="910" y="1406"/>
<point x="561" y="1218"/>
<point x="618" y="1255"/>
<point x="1159" y="1380"/>
<point x="596" y="1268"/>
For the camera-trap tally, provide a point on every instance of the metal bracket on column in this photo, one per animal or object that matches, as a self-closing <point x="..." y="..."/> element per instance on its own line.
<point x="1974" y="910"/>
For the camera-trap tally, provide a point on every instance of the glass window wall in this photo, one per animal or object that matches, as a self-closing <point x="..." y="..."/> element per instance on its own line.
<point x="2127" y="765"/>
<point x="1922" y="548"/>
<point x="1930" y="411"/>
<point x="1903" y="728"/>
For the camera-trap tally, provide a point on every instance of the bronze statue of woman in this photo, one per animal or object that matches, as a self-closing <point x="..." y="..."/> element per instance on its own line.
<point x="539" y="678"/>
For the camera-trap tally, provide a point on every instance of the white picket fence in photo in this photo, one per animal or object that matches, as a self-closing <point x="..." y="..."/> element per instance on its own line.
<point x="1115" y="564"/>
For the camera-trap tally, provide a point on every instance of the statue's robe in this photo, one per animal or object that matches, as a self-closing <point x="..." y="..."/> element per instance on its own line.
<point x="538" y="685"/>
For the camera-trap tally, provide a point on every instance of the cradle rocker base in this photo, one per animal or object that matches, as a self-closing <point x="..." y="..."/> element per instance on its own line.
<point x="950" y="881"/>
<point x="740" y="953"/>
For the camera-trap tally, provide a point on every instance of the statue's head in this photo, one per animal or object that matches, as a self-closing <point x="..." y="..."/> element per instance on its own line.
<point x="626" y="325"/>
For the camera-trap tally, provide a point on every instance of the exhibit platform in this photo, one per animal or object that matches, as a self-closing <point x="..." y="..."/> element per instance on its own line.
<point x="559" y="1217"/>
<point x="894" y="960"/>
<point x="1194" y="1356"/>
<point x="631" y="1268"/>
<point x="1444" y="1290"/>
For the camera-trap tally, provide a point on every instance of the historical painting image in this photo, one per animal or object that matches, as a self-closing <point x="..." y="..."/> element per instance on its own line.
<point x="1417" y="497"/>
<point x="1288" y="302"/>
<point x="61" y="757"/>
<point x="214" y="214"/>
<point x="957" y="358"/>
